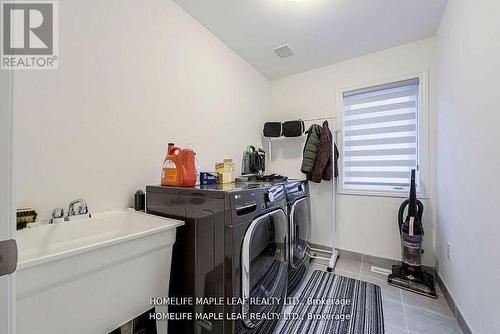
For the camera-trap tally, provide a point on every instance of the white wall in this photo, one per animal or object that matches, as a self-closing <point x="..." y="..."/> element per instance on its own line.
<point x="365" y="224"/>
<point x="7" y="221"/>
<point x="133" y="76"/>
<point x="468" y="157"/>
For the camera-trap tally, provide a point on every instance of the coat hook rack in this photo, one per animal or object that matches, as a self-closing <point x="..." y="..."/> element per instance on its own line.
<point x="330" y="256"/>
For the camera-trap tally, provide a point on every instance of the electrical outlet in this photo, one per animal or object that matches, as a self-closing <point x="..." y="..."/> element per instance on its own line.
<point x="448" y="251"/>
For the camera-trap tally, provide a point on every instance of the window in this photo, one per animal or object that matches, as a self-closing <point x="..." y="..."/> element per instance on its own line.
<point x="380" y="137"/>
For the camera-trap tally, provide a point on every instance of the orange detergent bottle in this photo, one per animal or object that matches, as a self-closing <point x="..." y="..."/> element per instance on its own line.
<point x="179" y="167"/>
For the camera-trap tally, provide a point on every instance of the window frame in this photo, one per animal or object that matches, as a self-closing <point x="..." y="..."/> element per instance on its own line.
<point x="423" y="136"/>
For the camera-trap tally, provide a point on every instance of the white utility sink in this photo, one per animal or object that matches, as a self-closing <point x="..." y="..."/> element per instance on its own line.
<point x="92" y="275"/>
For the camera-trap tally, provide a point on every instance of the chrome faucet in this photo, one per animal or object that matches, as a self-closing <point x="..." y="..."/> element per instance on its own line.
<point x="83" y="212"/>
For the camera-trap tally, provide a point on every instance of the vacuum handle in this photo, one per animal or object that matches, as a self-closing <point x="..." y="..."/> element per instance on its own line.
<point x="401" y="213"/>
<point x="420" y="212"/>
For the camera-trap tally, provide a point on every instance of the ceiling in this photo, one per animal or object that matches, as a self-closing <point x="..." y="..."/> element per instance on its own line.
<point x="320" y="32"/>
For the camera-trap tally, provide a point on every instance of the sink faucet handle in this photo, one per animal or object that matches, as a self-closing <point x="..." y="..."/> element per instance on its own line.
<point x="57" y="216"/>
<point x="83" y="208"/>
<point x="58" y="213"/>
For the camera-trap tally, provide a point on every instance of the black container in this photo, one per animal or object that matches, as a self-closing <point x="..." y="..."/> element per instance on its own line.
<point x="139" y="201"/>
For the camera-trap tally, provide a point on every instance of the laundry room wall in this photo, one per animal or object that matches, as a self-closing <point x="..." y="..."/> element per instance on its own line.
<point x="365" y="224"/>
<point x="468" y="229"/>
<point x="131" y="79"/>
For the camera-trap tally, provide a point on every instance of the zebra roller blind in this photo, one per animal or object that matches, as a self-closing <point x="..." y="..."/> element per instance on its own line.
<point x="380" y="136"/>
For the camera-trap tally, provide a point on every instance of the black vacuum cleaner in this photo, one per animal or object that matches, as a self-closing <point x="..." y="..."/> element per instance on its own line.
<point x="410" y="275"/>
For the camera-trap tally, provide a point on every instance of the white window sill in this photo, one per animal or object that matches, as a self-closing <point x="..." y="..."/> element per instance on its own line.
<point x="374" y="193"/>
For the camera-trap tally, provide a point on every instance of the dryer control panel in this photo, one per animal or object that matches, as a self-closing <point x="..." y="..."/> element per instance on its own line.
<point x="248" y="202"/>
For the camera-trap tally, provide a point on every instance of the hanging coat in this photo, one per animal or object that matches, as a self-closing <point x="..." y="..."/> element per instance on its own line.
<point x="323" y="166"/>
<point x="311" y="149"/>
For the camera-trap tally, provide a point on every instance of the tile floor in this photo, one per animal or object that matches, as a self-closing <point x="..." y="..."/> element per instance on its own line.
<point x="404" y="312"/>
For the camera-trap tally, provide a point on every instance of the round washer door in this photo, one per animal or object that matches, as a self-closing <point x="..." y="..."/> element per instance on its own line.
<point x="300" y="231"/>
<point x="264" y="267"/>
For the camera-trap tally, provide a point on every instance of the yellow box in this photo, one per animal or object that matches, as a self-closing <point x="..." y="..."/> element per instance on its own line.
<point x="226" y="171"/>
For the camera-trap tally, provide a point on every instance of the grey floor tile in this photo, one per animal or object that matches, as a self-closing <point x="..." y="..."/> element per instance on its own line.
<point x="348" y="255"/>
<point x="394" y="314"/>
<point x="366" y="270"/>
<point x="379" y="262"/>
<point x="388" y="292"/>
<point x="394" y="330"/>
<point x="439" y="305"/>
<point x="345" y="273"/>
<point x="347" y="268"/>
<point x="346" y="265"/>
<point x="422" y="322"/>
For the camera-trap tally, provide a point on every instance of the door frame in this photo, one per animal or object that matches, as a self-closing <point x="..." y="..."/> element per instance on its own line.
<point x="245" y="263"/>
<point x="292" y="233"/>
<point x="7" y="209"/>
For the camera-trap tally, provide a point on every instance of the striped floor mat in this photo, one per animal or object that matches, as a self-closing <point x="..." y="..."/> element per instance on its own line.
<point x="332" y="304"/>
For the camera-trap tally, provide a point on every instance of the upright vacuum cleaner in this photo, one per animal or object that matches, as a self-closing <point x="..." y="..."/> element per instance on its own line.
<point x="410" y="275"/>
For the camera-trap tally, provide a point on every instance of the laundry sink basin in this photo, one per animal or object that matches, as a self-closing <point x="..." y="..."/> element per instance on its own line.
<point x="92" y="275"/>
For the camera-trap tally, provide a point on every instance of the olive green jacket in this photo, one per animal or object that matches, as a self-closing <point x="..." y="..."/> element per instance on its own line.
<point x="311" y="149"/>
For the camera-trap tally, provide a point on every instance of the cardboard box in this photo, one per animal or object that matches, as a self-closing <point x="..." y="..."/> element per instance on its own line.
<point x="226" y="170"/>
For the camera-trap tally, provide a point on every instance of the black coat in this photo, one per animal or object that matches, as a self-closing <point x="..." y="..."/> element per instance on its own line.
<point x="323" y="166"/>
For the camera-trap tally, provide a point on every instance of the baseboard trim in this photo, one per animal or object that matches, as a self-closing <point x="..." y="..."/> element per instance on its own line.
<point x="322" y="247"/>
<point x="454" y="306"/>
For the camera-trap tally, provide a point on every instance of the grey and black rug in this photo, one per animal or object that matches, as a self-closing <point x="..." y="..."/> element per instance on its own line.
<point x="332" y="304"/>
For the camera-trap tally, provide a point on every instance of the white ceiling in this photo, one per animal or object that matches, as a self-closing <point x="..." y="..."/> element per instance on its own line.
<point x="320" y="32"/>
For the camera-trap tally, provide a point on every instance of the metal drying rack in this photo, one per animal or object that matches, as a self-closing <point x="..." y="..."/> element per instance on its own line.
<point x="330" y="256"/>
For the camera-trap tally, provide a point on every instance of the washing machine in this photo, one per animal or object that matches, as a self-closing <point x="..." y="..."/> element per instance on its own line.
<point x="299" y="215"/>
<point x="231" y="256"/>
